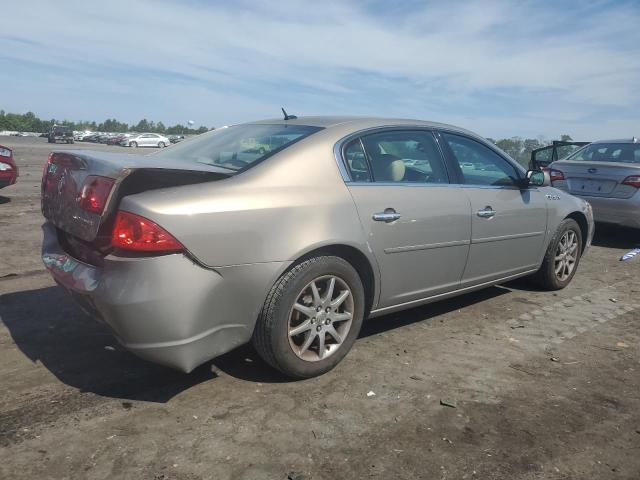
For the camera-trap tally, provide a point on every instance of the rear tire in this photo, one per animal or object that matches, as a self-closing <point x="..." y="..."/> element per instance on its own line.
<point x="327" y="318"/>
<point x="561" y="258"/>
<point x="133" y="144"/>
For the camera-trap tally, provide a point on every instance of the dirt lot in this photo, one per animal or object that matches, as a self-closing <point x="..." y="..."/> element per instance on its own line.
<point x="544" y="385"/>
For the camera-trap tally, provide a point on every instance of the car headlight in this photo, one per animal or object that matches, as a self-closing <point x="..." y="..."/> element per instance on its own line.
<point x="5" y="152"/>
<point x="5" y="167"/>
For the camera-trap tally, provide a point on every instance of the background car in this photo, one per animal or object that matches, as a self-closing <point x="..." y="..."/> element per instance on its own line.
<point x="146" y="140"/>
<point x="292" y="248"/>
<point x="606" y="174"/>
<point x="558" y="150"/>
<point x="175" y="138"/>
<point x="8" y="167"/>
<point x="60" y="133"/>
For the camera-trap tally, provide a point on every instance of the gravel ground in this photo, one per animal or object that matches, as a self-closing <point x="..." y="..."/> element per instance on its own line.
<point x="505" y="383"/>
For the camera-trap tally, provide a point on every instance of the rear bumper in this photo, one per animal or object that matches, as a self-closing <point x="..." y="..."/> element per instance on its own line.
<point x="166" y="309"/>
<point x="624" y="212"/>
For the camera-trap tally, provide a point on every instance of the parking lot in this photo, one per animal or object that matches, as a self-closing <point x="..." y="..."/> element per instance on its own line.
<point x="508" y="383"/>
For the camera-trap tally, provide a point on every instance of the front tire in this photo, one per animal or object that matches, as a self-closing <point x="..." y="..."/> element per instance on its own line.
<point x="562" y="257"/>
<point x="311" y="317"/>
<point x="160" y="144"/>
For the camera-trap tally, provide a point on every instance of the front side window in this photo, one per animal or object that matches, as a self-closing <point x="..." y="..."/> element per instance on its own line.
<point x="479" y="164"/>
<point x="238" y="147"/>
<point x="405" y="156"/>
<point x="608" y="152"/>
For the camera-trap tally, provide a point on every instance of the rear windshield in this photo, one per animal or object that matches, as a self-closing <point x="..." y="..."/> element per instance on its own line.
<point x="608" y="152"/>
<point x="238" y="147"/>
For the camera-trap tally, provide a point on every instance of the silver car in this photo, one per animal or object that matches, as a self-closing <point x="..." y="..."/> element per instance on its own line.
<point x="289" y="233"/>
<point x="146" y="140"/>
<point x="606" y="174"/>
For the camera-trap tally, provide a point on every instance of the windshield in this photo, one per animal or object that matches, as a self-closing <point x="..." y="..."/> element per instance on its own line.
<point x="608" y="152"/>
<point x="238" y="147"/>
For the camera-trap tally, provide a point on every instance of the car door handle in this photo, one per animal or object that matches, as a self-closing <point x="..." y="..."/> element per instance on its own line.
<point x="486" y="212"/>
<point x="389" y="215"/>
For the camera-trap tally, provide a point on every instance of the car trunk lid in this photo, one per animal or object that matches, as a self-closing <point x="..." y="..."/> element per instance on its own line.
<point x="597" y="179"/>
<point x="67" y="174"/>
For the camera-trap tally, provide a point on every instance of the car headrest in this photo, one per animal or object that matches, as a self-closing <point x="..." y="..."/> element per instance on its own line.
<point x="389" y="168"/>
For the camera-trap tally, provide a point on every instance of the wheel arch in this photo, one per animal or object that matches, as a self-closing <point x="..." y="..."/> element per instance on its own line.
<point x="365" y="266"/>
<point x="581" y="220"/>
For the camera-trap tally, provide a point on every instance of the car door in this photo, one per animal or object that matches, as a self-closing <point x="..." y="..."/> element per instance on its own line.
<point x="508" y="223"/>
<point x="417" y="225"/>
<point x="542" y="157"/>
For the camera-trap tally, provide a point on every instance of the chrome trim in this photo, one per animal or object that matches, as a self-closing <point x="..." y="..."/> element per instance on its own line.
<point x="507" y="237"/>
<point x="486" y="212"/>
<point x="337" y="148"/>
<point x="410" y="248"/>
<point x="344" y="172"/>
<point x="401" y="306"/>
<point x="386" y="217"/>
<point x="442" y="185"/>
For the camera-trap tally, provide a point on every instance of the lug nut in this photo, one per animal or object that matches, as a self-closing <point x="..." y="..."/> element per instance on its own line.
<point x="318" y="309"/>
<point x="328" y="310"/>
<point x="313" y="320"/>
<point x="318" y="328"/>
<point x="327" y="321"/>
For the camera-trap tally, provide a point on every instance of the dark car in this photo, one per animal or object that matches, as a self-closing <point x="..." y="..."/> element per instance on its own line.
<point x="542" y="157"/>
<point x="8" y="168"/>
<point x="59" y="133"/>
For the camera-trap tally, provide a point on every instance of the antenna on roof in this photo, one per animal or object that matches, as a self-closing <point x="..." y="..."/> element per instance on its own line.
<point x="287" y="116"/>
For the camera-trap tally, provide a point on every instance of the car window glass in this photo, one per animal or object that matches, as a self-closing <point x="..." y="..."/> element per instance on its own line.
<point x="357" y="162"/>
<point x="238" y="147"/>
<point x="479" y="164"/>
<point x="608" y="152"/>
<point x="566" y="150"/>
<point x="405" y="156"/>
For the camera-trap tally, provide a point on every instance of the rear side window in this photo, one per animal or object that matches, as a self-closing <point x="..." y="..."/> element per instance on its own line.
<point x="405" y="156"/>
<point x="238" y="147"/>
<point x="479" y="164"/>
<point x="357" y="162"/>
<point x="608" y="152"/>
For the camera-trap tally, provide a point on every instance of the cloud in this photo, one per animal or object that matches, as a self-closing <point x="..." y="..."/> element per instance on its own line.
<point x="502" y="67"/>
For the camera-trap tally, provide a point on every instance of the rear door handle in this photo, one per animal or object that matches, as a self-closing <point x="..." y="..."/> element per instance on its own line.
<point x="486" y="212"/>
<point x="389" y="215"/>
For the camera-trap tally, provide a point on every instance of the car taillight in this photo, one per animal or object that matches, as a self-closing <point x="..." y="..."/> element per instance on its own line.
<point x="133" y="232"/>
<point x="7" y="171"/>
<point x="95" y="193"/>
<point x="555" y="175"/>
<point x="633" y="180"/>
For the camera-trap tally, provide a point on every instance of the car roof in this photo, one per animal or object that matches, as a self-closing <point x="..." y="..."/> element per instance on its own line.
<point x="620" y="140"/>
<point x="359" y="123"/>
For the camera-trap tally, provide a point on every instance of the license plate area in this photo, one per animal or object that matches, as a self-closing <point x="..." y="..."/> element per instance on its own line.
<point x="591" y="186"/>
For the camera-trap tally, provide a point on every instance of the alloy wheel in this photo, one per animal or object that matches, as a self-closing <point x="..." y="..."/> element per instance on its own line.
<point x="566" y="255"/>
<point x="320" y="318"/>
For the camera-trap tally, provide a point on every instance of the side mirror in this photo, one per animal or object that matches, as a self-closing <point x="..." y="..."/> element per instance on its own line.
<point x="537" y="178"/>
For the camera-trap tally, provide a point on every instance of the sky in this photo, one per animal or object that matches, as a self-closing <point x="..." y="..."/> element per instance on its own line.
<point x="499" y="68"/>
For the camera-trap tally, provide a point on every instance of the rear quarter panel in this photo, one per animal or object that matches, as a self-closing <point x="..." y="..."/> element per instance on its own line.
<point x="289" y="204"/>
<point x="561" y="205"/>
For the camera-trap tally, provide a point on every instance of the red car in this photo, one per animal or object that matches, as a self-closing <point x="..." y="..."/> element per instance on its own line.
<point x="8" y="168"/>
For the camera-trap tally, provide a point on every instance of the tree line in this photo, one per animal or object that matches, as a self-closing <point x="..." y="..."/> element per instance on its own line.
<point x="520" y="148"/>
<point x="29" y="122"/>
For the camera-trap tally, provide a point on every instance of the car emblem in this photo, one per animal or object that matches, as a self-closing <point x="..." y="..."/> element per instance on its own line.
<point x="592" y="170"/>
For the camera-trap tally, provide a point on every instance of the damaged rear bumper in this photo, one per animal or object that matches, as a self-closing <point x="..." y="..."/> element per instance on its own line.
<point x="166" y="309"/>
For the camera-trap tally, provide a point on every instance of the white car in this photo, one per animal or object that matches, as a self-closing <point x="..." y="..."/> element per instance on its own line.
<point x="146" y="140"/>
